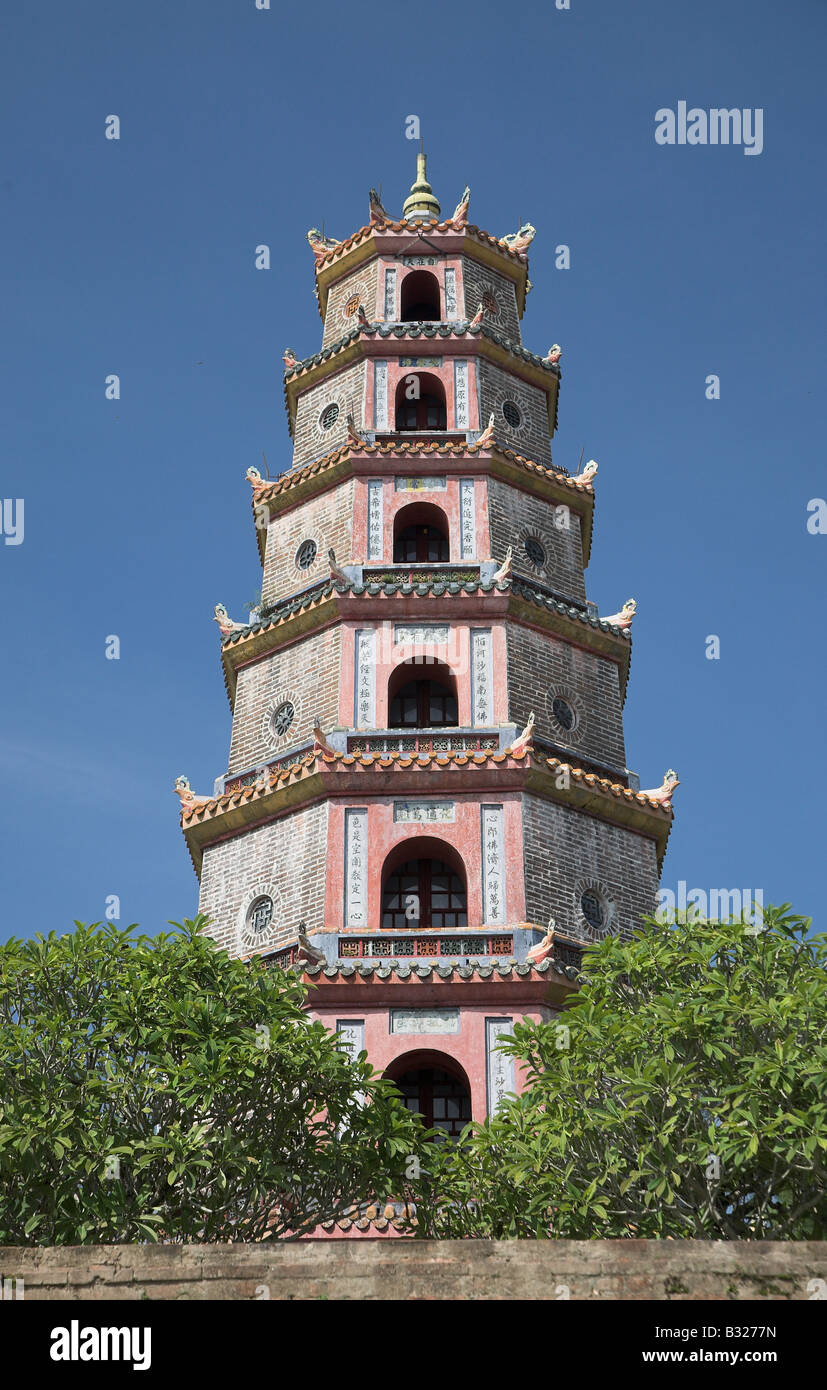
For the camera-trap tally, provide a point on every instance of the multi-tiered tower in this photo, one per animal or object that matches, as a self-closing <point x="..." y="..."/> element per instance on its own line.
<point x="427" y="759"/>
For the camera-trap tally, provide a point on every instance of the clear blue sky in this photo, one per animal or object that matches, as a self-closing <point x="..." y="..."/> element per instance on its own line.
<point x="241" y="126"/>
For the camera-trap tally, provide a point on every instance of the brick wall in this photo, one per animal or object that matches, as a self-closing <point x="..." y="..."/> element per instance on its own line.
<point x="328" y="520"/>
<point x="287" y="855"/>
<point x="305" y="674"/>
<point x="347" y="390"/>
<point x="541" y="667"/>
<point x="531" y="437"/>
<point x="455" y="1270"/>
<point x="362" y="282"/>
<point x="479" y="278"/>
<point x="567" y="851"/>
<point x="514" y="515"/>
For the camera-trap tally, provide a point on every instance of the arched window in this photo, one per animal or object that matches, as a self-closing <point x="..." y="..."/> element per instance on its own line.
<point x="424" y="893"/>
<point x="422" y="695"/>
<point x="420" y="535"/>
<point x="420" y="403"/>
<point x="424" y="544"/>
<point x="420" y="298"/>
<point x="443" y="1101"/>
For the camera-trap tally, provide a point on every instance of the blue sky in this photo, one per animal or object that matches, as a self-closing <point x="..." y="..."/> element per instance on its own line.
<point x="241" y="126"/>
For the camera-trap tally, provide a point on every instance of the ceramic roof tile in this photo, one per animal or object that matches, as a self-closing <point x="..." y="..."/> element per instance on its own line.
<point x="402" y="225"/>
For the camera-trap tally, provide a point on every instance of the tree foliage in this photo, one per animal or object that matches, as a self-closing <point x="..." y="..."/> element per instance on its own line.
<point x="682" y="1093"/>
<point x="151" y="1088"/>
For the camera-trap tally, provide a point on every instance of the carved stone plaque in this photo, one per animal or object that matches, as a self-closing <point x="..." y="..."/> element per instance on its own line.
<point x="365" y="679"/>
<point x="461" y="395"/>
<point x="380" y="396"/>
<point x="482" y="695"/>
<point x="424" y="1020"/>
<point x="375" y="519"/>
<point x="499" y="1069"/>
<point x="468" y="524"/>
<point x="493" y="865"/>
<point x="356" y="867"/>
<point x="420" y="484"/>
<point x="352" y="1039"/>
<point x="421" y="633"/>
<point x="390" y="296"/>
<point x="423" y="811"/>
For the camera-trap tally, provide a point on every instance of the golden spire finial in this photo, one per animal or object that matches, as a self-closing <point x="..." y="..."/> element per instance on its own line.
<point x="421" y="202"/>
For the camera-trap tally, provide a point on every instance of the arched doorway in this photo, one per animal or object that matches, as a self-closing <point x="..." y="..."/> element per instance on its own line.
<point x="420" y="535"/>
<point x="436" y="1087"/>
<point x="424" y="886"/>
<point x="420" y="298"/>
<point x="422" y="695"/>
<point x="420" y="403"/>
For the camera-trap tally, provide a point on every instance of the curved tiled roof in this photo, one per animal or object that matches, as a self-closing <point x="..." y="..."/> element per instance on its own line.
<point x="541" y="600"/>
<point x="373" y="589"/>
<point x="309" y="763"/>
<point x="403" y="449"/>
<point x="454" y="329"/>
<point x="424" y="969"/>
<point x="448" y="225"/>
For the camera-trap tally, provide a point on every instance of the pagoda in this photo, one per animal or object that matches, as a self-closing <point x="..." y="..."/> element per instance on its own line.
<point x="426" y="809"/>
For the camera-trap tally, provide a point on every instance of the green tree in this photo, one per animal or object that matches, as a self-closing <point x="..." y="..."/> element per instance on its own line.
<point x="153" y="1089"/>
<point x="682" y="1093"/>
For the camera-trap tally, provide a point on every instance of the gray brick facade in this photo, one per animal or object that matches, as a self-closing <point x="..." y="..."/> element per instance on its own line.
<point x="516" y="516"/>
<point x="541" y="667"/>
<point x="479" y="280"/>
<point x="567" y="852"/>
<point x="346" y="390"/>
<point x="287" y="856"/>
<point x="304" y="676"/>
<point x="326" y="520"/>
<point x="362" y="283"/>
<point x="531" y="437"/>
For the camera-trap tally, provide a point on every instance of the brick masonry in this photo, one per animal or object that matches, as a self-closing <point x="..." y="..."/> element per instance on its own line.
<point x="289" y="856"/>
<point x="306" y="675"/>
<point x="362" y="282"/>
<point x="541" y="667"/>
<point x="327" y="520"/>
<point x="532" y="436"/>
<point x="514" y="516"/>
<point x="480" y="278"/>
<point x="368" y="1270"/>
<point x="566" y="852"/>
<point x="347" y="390"/>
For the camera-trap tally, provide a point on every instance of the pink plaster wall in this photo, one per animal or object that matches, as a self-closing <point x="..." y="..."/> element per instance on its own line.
<point x="448" y="502"/>
<point x="464" y="836"/>
<point x="467" y="1047"/>
<point x="455" y="654"/>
